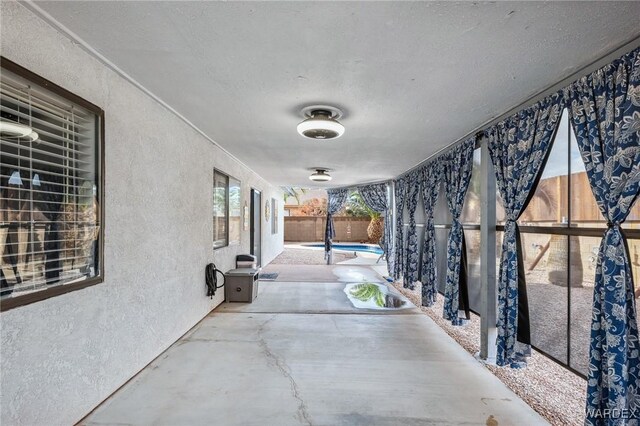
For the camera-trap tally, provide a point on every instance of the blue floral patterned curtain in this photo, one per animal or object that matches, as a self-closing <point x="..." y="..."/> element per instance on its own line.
<point x="376" y="196"/>
<point x="336" y="199"/>
<point x="519" y="147"/>
<point x="605" y="112"/>
<point x="412" y="252"/>
<point x="400" y="191"/>
<point x="431" y="176"/>
<point x="457" y="175"/>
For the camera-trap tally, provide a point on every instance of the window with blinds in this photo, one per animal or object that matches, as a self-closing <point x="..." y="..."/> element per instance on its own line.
<point x="50" y="189"/>
<point x="227" y="214"/>
<point x="220" y="209"/>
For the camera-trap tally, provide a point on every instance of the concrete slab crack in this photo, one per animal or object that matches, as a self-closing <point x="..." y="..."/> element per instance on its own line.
<point x="264" y="324"/>
<point x="336" y="326"/>
<point x="281" y="365"/>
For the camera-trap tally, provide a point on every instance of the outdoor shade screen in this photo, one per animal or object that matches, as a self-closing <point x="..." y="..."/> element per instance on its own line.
<point x="457" y="176"/>
<point x="431" y="176"/>
<point x="412" y="250"/>
<point x="519" y="147"/>
<point x="400" y="192"/>
<point x="336" y="199"/>
<point x="605" y="113"/>
<point x="376" y="196"/>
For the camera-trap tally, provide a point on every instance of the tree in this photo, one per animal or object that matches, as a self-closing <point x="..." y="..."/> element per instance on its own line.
<point x="356" y="207"/>
<point x="291" y="191"/>
<point x="314" y="207"/>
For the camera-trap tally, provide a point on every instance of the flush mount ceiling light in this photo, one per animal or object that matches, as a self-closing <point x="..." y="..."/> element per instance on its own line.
<point x="10" y="129"/>
<point x="321" y="123"/>
<point x="320" y="175"/>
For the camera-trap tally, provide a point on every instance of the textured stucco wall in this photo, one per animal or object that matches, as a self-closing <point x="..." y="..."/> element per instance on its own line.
<point x="62" y="356"/>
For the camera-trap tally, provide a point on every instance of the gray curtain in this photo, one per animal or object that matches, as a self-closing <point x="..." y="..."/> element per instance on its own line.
<point x="412" y="251"/>
<point x="400" y="191"/>
<point x="336" y="199"/>
<point x="376" y="196"/>
<point x="431" y="176"/>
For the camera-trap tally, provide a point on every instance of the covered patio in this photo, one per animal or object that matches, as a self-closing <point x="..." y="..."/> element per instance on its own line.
<point x="302" y="354"/>
<point x="147" y="149"/>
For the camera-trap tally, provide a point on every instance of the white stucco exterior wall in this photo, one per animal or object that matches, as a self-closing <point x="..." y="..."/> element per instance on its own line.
<point x="62" y="356"/>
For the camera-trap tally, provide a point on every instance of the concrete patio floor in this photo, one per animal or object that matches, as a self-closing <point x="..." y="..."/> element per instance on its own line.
<point x="326" y="273"/>
<point x="301" y="354"/>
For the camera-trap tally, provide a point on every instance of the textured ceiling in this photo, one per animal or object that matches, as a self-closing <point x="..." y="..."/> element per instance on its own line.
<point x="411" y="77"/>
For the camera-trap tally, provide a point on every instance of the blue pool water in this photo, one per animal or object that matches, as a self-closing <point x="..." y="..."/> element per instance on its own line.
<point x="352" y="247"/>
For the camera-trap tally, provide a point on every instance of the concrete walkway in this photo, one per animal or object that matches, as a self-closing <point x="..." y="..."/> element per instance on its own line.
<point x="302" y="354"/>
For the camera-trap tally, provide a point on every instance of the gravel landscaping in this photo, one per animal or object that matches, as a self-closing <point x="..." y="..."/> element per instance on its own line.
<point x="550" y="389"/>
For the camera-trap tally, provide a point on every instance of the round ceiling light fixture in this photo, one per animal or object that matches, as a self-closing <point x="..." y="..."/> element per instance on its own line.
<point x="9" y="129"/>
<point x="321" y="123"/>
<point x="320" y="175"/>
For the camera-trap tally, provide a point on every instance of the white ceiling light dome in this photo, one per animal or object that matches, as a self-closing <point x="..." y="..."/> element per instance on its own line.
<point x="320" y="175"/>
<point x="321" y="123"/>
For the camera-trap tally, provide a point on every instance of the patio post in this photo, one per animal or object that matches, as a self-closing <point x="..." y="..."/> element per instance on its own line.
<point x="488" y="296"/>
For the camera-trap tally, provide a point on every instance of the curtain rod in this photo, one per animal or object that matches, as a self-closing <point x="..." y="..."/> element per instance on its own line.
<point x="626" y="47"/>
<point x="361" y="184"/>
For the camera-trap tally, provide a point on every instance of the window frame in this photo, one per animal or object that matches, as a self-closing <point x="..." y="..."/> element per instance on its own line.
<point x="274" y="216"/>
<point x="227" y="209"/>
<point x="229" y="216"/>
<point x="40" y="295"/>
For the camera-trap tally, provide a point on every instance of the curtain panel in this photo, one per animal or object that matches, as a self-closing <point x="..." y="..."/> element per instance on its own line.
<point x="335" y="200"/>
<point x="430" y="178"/>
<point x="376" y="196"/>
<point x="605" y="112"/>
<point x="412" y="251"/>
<point x="519" y="147"/>
<point x="400" y="191"/>
<point x="458" y="164"/>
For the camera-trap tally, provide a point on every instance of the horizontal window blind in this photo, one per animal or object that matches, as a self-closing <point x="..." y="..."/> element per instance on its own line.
<point x="220" y="210"/>
<point x="49" y="212"/>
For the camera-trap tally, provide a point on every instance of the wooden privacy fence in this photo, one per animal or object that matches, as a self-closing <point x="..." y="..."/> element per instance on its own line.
<point x="311" y="228"/>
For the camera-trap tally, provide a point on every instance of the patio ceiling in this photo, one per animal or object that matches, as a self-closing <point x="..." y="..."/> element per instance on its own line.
<point x="411" y="77"/>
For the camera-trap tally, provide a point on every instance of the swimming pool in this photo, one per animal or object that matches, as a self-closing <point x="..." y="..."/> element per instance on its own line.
<point x="352" y="247"/>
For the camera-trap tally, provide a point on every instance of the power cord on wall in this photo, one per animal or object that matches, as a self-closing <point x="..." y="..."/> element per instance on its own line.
<point x="211" y="278"/>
